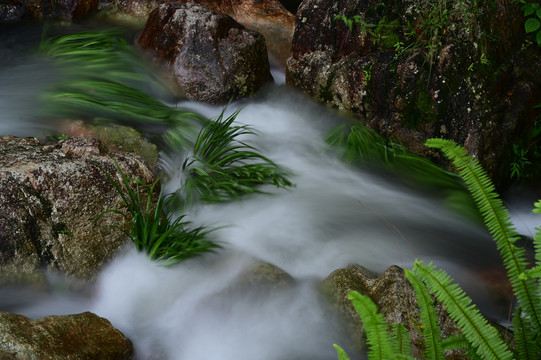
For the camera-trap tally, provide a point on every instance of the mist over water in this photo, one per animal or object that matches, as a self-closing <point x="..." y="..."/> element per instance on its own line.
<point x="334" y="216"/>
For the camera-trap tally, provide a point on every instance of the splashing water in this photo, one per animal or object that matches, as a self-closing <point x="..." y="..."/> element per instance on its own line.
<point x="334" y="216"/>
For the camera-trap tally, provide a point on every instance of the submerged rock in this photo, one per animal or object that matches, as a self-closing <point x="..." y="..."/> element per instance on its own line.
<point x="211" y="57"/>
<point x="414" y="71"/>
<point x="50" y="200"/>
<point x="79" y="336"/>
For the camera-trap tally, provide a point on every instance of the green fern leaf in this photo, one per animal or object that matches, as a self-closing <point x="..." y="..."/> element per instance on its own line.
<point x="524" y="338"/>
<point x="497" y="220"/>
<point x="401" y="340"/>
<point x="431" y="330"/>
<point x="455" y="342"/>
<point x="341" y="353"/>
<point x="374" y="326"/>
<point x="475" y="327"/>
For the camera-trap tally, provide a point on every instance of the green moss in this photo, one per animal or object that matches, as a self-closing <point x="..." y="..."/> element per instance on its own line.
<point x="420" y="111"/>
<point x="385" y="34"/>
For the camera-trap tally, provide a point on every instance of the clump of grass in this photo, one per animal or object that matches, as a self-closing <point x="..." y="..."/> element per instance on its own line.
<point x="223" y="168"/>
<point x="156" y="229"/>
<point x="105" y="78"/>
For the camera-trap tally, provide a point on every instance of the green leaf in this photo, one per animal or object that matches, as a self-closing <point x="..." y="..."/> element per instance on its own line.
<point x="497" y="221"/>
<point x="538" y="38"/>
<point x="475" y="327"/>
<point x="532" y="25"/>
<point x="374" y="326"/>
<point x="341" y="353"/>
<point x="431" y="330"/>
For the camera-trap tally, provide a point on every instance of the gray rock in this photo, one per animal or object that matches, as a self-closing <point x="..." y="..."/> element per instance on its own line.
<point x="50" y="199"/>
<point x="211" y="57"/>
<point x="77" y="337"/>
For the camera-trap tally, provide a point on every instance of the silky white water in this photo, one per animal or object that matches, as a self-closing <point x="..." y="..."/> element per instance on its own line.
<point x="335" y="215"/>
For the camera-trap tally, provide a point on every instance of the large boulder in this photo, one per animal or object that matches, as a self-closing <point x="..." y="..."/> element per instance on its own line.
<point x="79" y="337"/>
<point x="212" y="57"/>
<point x="50" y="199"/>
<point x="268" y="17"/>
<point x="421" y="69"/>
<point x="49" y="9"/>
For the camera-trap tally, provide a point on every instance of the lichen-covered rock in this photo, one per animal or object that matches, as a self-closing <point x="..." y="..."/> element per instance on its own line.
<point x="49" y="9"/>
<point x="50" y="200"/>
<point x="79" y="336"/>
<point x="416" y="70"/>
<point x="390" y="291"/>
<point x="211" y="57"/>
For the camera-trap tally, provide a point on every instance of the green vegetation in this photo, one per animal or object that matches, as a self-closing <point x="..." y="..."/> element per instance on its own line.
<point x="104" y="81"/>
<point x="357" y="144"/>
<point x="532" y="14"/>
<point x="223" y="168"/>
<point x="479" y="338"/>
<point x="156" y="228"/>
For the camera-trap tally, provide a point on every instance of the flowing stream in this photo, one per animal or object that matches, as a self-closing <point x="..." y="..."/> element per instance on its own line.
<point x="334" y="216"/>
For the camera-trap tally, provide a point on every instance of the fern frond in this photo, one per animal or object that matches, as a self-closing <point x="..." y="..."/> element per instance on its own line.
<point x="401" y="340"/>
<point x="374" y="326"/>
<point x="497" y="221"/>
<point x="341" y="353"/>
<point x="455" y="342"/>
<point x="524" y="338"/>
<point x="431" y="330"/>
<point x="537" y="237"/>
<point x="475" y="327"/>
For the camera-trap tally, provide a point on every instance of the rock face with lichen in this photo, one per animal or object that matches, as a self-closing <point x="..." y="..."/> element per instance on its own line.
<point x="50" y="199"/>
<point x="78" y="336"/>
<point x="211" y="57"/>
<point x="416" y="70"/>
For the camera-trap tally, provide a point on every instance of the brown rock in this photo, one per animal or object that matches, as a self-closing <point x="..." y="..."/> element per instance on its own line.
<point x="80" y="336"/>
<point x="390" y="291"/>
<point x="212" y="57"/>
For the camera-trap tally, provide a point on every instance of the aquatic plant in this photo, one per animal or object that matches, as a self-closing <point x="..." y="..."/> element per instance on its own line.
<point x="478" y="337"/>
<point x="222" y="168"/>
<point x="105" y="79"/>
<point x="357" y="144"/>
<point x="156" y="228"/>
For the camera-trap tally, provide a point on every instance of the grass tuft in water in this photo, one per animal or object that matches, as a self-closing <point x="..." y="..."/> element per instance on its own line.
<point x="105" y="78"/>
<point x="156" y="229"/>
<point x="223" y="168"/>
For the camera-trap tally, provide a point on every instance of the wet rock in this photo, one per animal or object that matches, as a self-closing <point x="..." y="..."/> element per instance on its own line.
<point x="211" y="57"/>
<point x="268" y="17"/>
<point x="79" y="336"/>
<point x="463" y="77"/>
<point x="291" y="5"/>
<point x="390" y="291"/>
<point x="49" y="9"/>
<point x="50" y="200"/>
<point x="116" y="138"/>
